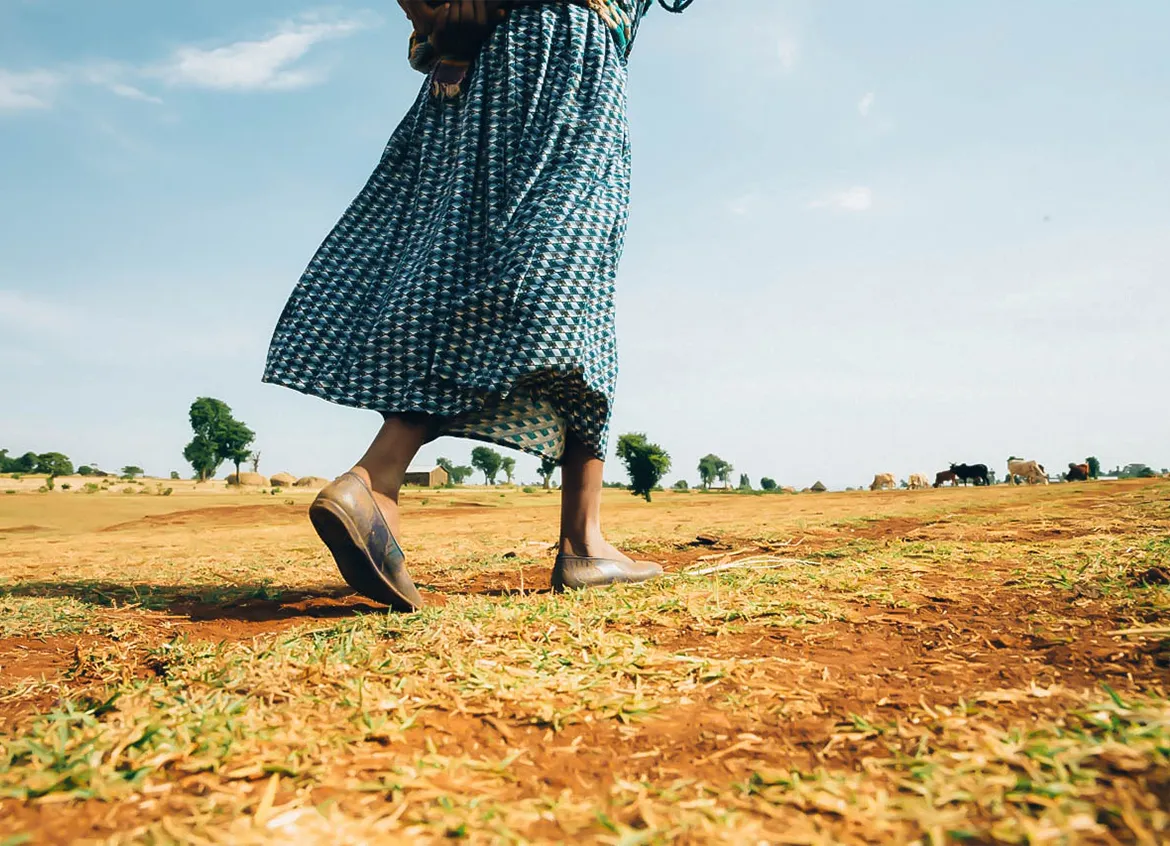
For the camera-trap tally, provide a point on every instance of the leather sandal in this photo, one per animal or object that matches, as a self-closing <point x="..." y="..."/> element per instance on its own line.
<point x="579" y="571"/>
<point x="348" y="520"/>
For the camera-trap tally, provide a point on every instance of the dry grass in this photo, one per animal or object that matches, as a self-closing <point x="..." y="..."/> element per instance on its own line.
<point x="937" y="666"/>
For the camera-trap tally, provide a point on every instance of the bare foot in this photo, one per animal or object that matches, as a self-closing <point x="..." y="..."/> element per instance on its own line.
<point x="386" y="504"/>
<point x="597" y="547"/>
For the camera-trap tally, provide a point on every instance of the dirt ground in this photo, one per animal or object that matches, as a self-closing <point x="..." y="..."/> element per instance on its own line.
<point x="979" y="665"/>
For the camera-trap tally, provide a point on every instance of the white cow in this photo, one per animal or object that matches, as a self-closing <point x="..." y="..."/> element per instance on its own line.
<point x="882" y="481"/>
<point x="918" y="482"/>
<point x="1030" y="471"/>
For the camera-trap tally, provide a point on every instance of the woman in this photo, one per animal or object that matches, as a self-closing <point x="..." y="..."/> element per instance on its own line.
<point x="468" y="290"/>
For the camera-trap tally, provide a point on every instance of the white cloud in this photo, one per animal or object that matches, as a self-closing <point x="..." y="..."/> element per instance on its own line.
<point x="865" y="104"/>
<point x="744" y="205"/>
<point x="268" y="64"/>
<point x="859" y="198"/>
<point x="26" y="90"/>
<point x="788" y="52"/>
<point x="31" y="315"/>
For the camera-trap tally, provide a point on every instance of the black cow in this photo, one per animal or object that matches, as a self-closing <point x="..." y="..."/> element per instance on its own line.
<point x="1078" y="472"/>
<point x="976" y="473"/>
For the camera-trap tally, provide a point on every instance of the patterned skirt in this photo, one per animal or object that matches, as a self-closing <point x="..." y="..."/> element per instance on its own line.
<point x="473" y="277"/>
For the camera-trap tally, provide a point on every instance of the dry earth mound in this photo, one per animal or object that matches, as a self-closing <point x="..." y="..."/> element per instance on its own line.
<point x="311" y="482"/>
<point x="248" y="480"/>
<point x="284" y="480"/>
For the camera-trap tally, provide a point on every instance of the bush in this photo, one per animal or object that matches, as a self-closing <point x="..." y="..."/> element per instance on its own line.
<point x="10" y="492"/>
<point x="681" y="485"/>
<point x="66" y="486"/>
<point x="528" y="489"/>
<point x="168" y="491"/>
<point x="49" y="483"/>
<point x="129" y="489"/>
<point x="174" y="475"/>
<point x="90" y="488"/>
<point x="84" y="470"/>
<point x="767" y="484"/>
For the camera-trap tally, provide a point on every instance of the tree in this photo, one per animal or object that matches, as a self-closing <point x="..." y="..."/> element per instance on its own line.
<point x="1094" y="466"/>
<point x="711" y="468"/>
<point x="508" y="465"/>
<point x="767" y="484"/>
<point x="84" y="470"/>
<point x="219" y="437"/>
<point x="487" y="461"/>
<point x="27" y="463"/>
<point x="1136" y="471"/>
<point x="254" y="459"/>
<point x="132" y="470"/>
<point x="745" y="484"/>
<point x="548" y="466"/>
<point x="681" y="485"/>
<point x="456" y="473"/>
<point x="54" y="464"/>
<point x="645" y="462"/>
<point x="174" y="475"/>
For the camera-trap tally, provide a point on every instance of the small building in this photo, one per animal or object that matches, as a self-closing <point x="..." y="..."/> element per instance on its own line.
<point x="426" y="477"/>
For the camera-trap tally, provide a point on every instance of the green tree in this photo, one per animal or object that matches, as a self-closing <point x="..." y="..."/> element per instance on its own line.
<point x="681" y="485"/>
<point x="54" y="464"/>
<point x="645" y="462"/>
<point x="219" y="437"/>
<point x="767" y="484"/>
<point x="745" y="484"/>
<point x="456" y="473"/>
<point x="27" y="463"/>
<point x="548" y="466"/>
<point x="84" y="470"/>
<point x="487" y="461"/>
<point x="1094" y="466"/>
<point x="508" y="465"/>
<point x="712" y="468"/>
<point x="132" y="470"/>
<point x="4" y="461"/>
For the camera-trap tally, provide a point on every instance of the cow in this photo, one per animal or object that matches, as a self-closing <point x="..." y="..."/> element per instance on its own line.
<point x="976" y="473"/>
<point x="1030" y="471"/>
<point x="917" y="482"/>
<point x="943" y="476"/>
<point x="1078" y="472"/>
<point x="882" y="481"/>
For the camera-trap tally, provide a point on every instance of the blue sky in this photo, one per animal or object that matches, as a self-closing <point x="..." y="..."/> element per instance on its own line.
<point x="865" y="237"/>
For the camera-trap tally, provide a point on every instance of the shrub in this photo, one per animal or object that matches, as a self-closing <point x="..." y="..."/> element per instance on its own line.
<point x="49" y="483"/>
<point x="42" y="489"/>
<point x="84" y="470"/>
<point x="90" y="488"/>
<point x="767" y="484"/>
<point x="528" y="489"/>
<point x="168" y="491"/>
<point x="66" y="486"/>
<point x="681" y="485"/>
<point x="174" y="475"/>
<point x="129" y="489"/>
<point x="10" y="492"/>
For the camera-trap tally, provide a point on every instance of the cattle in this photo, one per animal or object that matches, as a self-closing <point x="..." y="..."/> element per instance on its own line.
<point x="976" y="473"/>
<point x="917" y="482"/>
<point x="882" y="481"/>
<point x="943" y="476"/>
<point x="1078" y="472"/>
<point x="1030" y="471"/>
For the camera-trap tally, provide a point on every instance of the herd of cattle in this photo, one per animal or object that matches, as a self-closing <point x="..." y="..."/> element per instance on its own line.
<point x="1019" y="471"/>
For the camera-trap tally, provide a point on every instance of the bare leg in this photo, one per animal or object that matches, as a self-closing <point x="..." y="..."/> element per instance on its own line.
<point x="581" y="476"/>
<point x="383" y="467"/>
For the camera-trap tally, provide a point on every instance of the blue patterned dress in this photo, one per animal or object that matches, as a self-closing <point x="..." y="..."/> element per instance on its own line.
<point x="473" y="277"/>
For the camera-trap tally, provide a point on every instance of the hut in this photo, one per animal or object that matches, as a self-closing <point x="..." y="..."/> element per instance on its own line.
<point x="426" y="477"/>
<point x="283" y="480"/>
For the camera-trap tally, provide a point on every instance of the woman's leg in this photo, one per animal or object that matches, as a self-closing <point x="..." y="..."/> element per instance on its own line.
<point x="581" y="477"/>
<point x="383" y="467"/>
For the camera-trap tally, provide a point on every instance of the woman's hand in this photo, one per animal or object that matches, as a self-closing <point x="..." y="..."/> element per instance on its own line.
<point x="422" y="14"/>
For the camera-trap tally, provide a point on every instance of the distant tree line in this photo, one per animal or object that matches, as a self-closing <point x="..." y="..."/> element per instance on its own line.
<point x="53" y="464"/>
